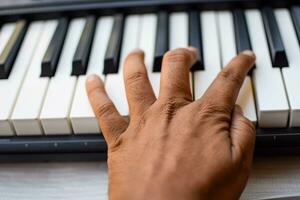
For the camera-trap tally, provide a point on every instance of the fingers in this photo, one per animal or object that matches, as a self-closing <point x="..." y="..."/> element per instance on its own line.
<point x="242" y="134"/>
<point x="111" y="122"/>
<point x="139" y="91"/>
<point x="175" y="74"/>
<point x="224" y="90"/>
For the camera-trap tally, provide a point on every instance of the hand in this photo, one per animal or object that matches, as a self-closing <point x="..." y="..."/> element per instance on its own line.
<point x="174" y="147"/>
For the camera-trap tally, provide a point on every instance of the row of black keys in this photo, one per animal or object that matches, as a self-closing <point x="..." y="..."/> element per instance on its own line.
<point x="112" y="56"/>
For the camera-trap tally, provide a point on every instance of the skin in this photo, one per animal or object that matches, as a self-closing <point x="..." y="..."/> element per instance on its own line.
<point x="173" y="147"/>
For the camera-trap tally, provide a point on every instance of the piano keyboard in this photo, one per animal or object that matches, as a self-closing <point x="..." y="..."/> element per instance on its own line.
<point x="44" y="64"/>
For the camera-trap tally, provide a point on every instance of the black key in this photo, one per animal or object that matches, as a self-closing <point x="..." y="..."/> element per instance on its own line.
<point x="295" y="12"/>
<point x="11" y="49"/>
<point x="242" y="38"/>
<point x="113" y="51"/>
<point x="162" y="40"/>
<point x="275" y="43"/>
<point x="195" y="38"/>
<point x="50" y="60"/>
<point x="81" y="56"/>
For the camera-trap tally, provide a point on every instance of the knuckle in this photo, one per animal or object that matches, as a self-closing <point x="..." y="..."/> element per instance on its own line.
<point x="180" y="56"/>
<point x="232" y="76"/>
<point x="104" y="110"/>
<point x="179" y="85"/>
<point x="169" y="108"/>
<point x="215" y="109"/>
<point x="170" y="105"/>
<point x="134" y="85"/>
<point x="209" y="111"/>
<point x="136" y="77"/>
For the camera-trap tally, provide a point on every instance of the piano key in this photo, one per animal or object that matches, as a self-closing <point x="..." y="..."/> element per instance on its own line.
<point x="295" y="13"/>
<point x="147" y="44"/>
<point x="241" y="31"/>
<point x="161" y="43"/>
<point x="52" y="54"/>
<point x="112" y="55"/>
<point x="114" y="83"/>
<point x="290" y="74"/>
<point x="228" y="51"/>
<point x="195" y="38"/>
<point x="178" y="26"/>
<point x="6" y="32"/>
<point x="81" y="56"/>
<point x="29" y="102"/>
<point x="9" y="88"/>
<point x="58" y="98"/>
<point x="12" y="45"/>
<point x="271" y="100"/>
<point x="211" y="54"/>
<point x="82" y="116"/>
<point x="276" y="48"/>
<point x="179" y="39"/>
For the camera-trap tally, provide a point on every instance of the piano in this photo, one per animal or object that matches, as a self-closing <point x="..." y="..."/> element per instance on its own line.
<point x="47" y="48"/>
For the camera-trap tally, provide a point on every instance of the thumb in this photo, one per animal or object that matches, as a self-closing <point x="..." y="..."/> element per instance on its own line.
<point x="242" y="133"/>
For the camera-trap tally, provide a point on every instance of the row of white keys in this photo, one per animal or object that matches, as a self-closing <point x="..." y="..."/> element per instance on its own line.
<point x="55" y="111"/>
<point x="179" y="35"/>
<point x="28" y="105"/>
<point x="82" y="116"/>
<point x="291" y="73"/>
<point x="9" y="88"/>
<point x="228" y="51"/>
<point x="147" y="44"/>
<point x="211" y="54"/>
<point x="114" y="83"/>
<point x="271" y="100"/>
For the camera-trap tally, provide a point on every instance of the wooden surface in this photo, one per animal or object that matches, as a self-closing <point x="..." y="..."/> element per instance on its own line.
<point x="271" y="177"/>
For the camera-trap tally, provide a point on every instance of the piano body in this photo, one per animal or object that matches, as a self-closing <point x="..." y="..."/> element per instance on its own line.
<point x="47" y="48"/>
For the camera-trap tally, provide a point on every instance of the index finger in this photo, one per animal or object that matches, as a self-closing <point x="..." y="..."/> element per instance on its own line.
<point x="225" y="88"/>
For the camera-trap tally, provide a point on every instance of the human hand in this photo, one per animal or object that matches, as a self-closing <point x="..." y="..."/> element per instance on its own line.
<point x="174" y="147"/>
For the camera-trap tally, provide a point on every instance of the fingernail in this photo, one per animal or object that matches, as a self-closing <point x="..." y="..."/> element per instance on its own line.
<point x="249" y="53"/>
<point x="137" y="51"/>
<point x="194" y="51"/>
<point x="91" y="77"/>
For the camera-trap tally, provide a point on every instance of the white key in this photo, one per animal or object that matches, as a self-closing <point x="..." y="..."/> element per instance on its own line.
<point x="9" y="88"/>
<point x="114" y="83"/>
<point x="211" y="54"/>
<point x="291" y="73"/>
<point x="228" y="51"/>
<point x="58" y="99"/>
<point x="147" y="44"/>
<point x="178" y="34"/>
<point x="271" y="101"/>
<point x="6" y="32"/>
<point x="30" y="100"/>
<point x="82" y="116"/>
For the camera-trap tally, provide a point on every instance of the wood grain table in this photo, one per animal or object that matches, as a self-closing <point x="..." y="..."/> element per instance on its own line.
<point x="271" y="177"/>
